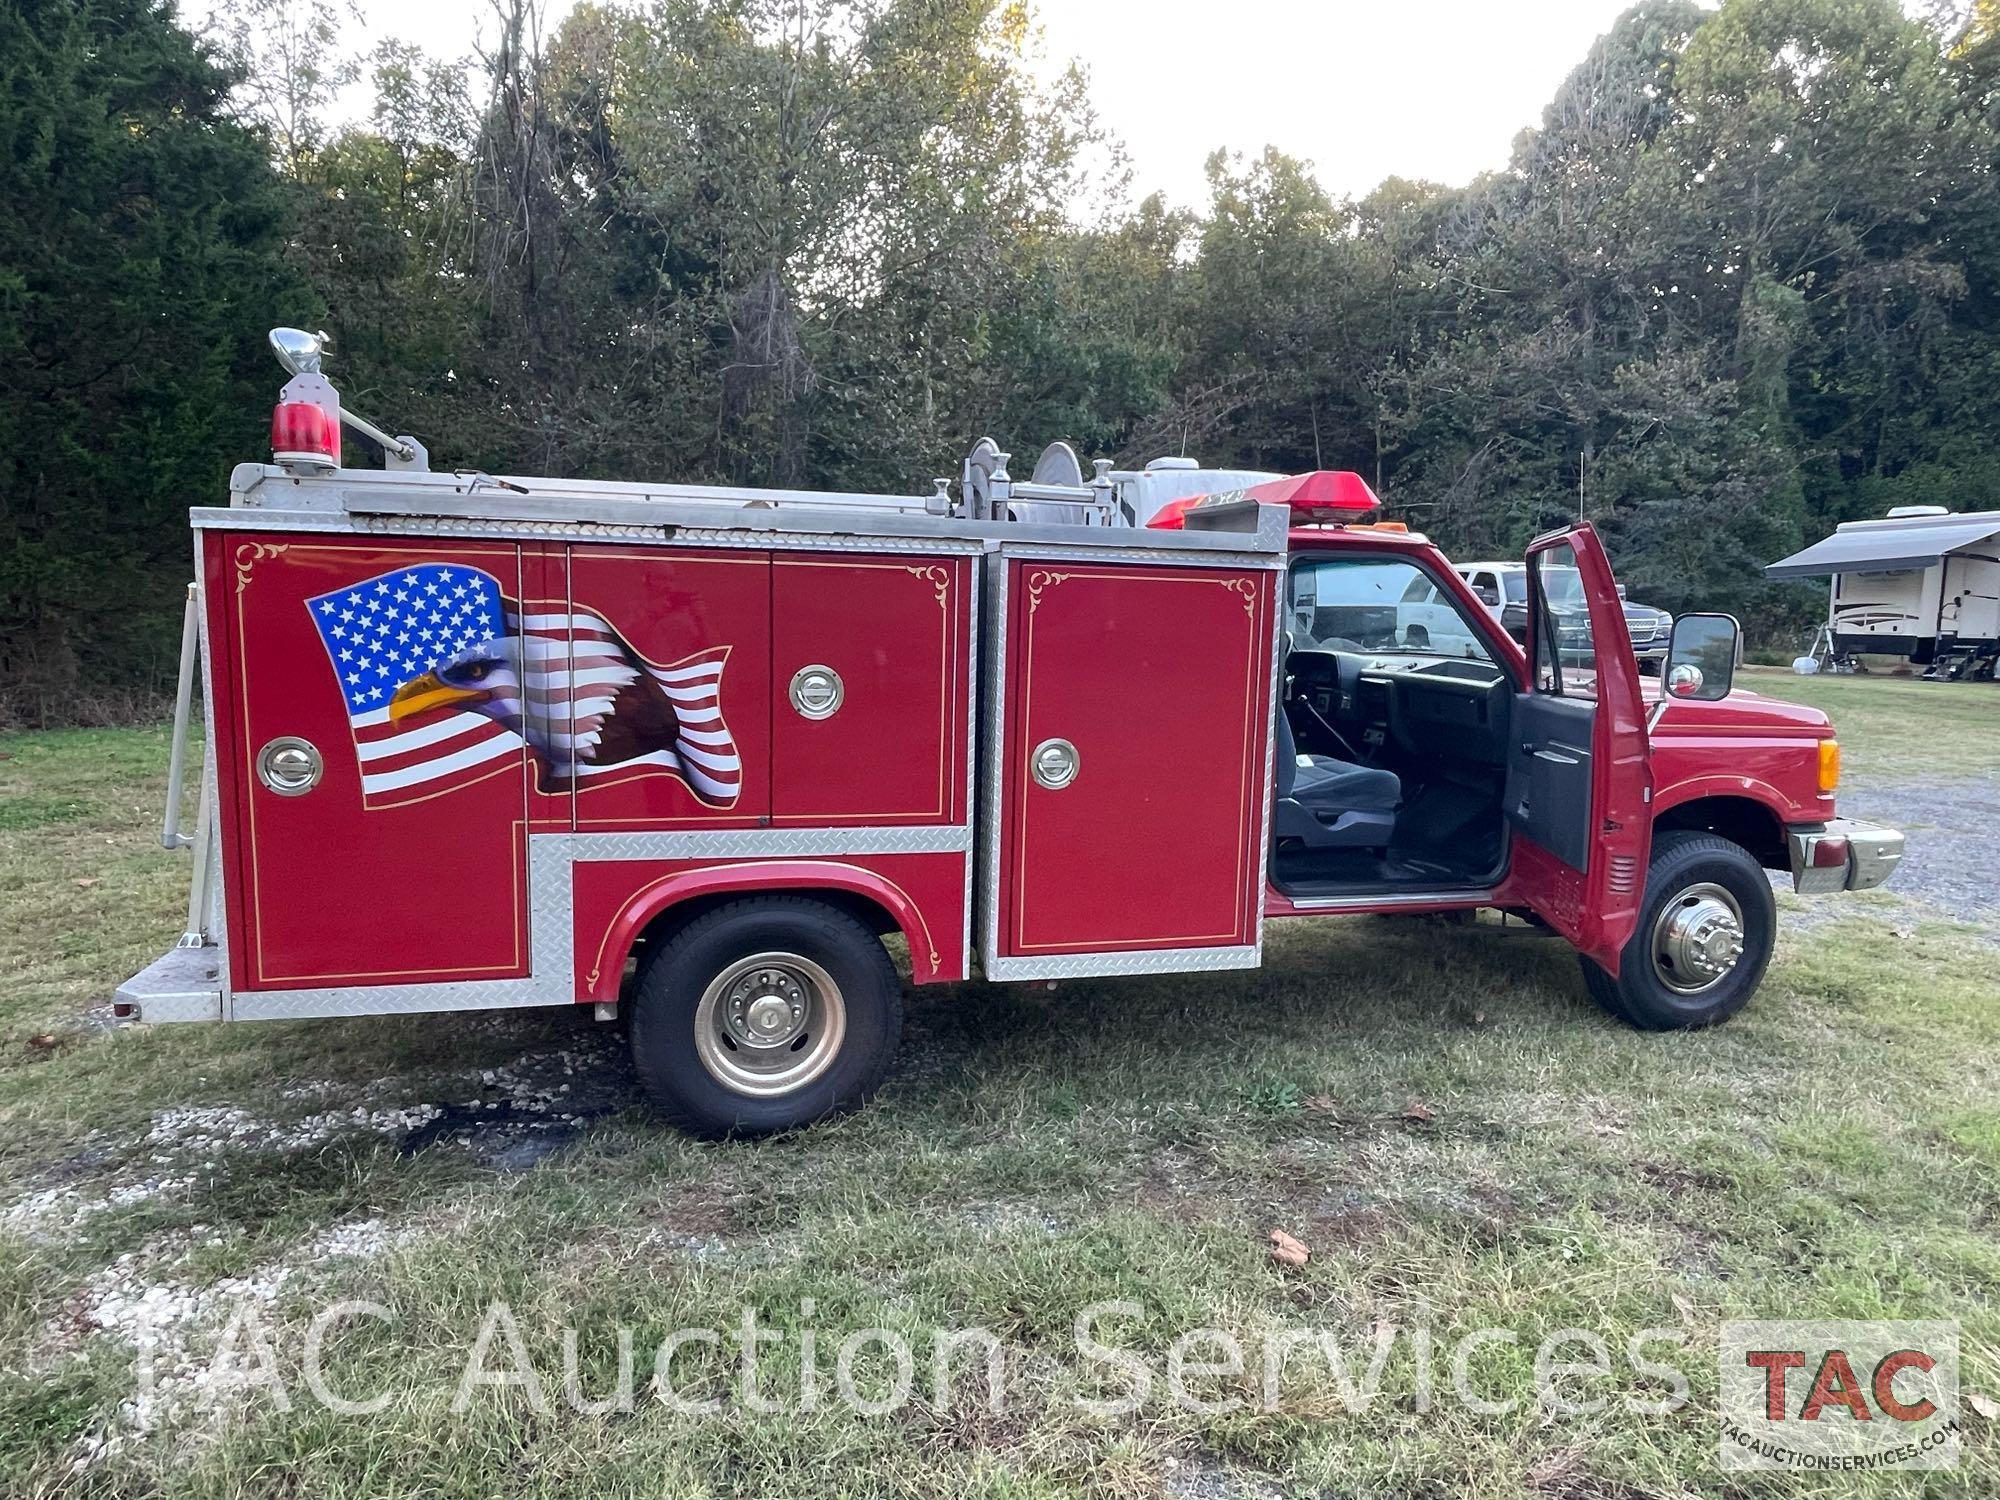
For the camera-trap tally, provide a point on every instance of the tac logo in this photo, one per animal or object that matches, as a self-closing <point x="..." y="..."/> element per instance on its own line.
<point x="1839" y="1396"/>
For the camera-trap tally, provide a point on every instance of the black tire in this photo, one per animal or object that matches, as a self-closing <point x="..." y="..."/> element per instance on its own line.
<point x="675" y="978"/>
<point x="1640" y="994"/>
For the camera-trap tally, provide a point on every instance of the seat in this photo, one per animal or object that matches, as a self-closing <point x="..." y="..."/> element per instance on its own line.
<point x="1332" y="804"/>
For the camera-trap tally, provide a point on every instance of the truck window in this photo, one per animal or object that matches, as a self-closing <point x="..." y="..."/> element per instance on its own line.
<point x="1365" y="604"/>
<point x="1565" y="655"/>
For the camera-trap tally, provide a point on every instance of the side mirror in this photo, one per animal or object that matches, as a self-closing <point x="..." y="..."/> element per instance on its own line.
<point x="1621" y="591"/>
<point x="1702" y="656"/>
<point x="1487" y="594"/>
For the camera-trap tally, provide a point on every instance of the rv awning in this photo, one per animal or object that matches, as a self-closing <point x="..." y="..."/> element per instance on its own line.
<point x="1884" y="546"/>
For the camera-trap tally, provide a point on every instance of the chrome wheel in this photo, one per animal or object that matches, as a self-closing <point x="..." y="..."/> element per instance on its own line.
<point x="1697" y="939"/>
<point x="769" y="1024"/>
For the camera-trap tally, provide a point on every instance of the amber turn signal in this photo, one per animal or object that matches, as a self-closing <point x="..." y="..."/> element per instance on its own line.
<point x="1829" y="765"/>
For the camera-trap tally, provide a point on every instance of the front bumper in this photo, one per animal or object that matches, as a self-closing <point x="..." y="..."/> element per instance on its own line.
<point x="1842" y="855"/>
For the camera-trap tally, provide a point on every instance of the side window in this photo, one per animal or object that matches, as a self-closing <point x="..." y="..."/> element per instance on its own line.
<point x="1487" y="588"/>
<point x="1420" y="591"/>
<point x="1565" y="655"/>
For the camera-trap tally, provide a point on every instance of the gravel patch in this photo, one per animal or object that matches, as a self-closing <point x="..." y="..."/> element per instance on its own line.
<point x="1949" y="863"/>
<point x="1947" y="869"/>
<point x="175" y="1329"/>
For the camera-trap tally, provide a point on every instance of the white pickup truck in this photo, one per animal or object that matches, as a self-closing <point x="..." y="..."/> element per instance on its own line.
<point x="1503" y="588"/>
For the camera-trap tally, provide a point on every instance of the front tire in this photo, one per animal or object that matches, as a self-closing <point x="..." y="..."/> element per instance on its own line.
<point x="763" y="1015"/>
<point x="1704" y="938"/>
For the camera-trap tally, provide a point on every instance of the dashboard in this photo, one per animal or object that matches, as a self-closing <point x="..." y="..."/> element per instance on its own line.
<point x="1449" y="707"/>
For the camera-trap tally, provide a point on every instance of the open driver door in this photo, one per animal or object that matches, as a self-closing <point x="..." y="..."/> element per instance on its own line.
<point x="1579" y="776"/>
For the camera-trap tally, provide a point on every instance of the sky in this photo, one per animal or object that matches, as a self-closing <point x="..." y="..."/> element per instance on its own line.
<point x="1363" y="89"/>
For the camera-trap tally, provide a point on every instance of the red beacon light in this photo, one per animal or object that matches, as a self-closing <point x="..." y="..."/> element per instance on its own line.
<point x="1325" y="497"/>
<point x="305" y="428"/>
<point x="305" y="436"/>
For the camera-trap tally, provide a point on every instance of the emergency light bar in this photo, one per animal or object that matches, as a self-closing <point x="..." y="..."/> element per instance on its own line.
<point x="1320" y="498"/>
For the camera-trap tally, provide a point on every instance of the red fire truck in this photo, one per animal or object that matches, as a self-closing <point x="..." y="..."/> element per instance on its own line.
<point x="693" y="751"/>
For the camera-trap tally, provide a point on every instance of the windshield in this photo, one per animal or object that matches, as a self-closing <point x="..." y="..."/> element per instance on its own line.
<point x="1356" y="604"/>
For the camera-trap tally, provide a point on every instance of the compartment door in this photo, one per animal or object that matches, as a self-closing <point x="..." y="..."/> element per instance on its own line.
<point x="870" y="687"/>
<point x="670" y="712"/>
<point x="1136" y="736"/>
<point x="377" y="833"/>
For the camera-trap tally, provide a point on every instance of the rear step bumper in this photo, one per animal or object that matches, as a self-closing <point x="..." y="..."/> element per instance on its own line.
<point x="1843" y="854"/>
<point x="182" y="984"/>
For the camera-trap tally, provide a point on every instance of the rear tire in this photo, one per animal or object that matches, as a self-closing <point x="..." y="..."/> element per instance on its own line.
<point x="1704" y="896"/>
<point x="763" y="1015"/>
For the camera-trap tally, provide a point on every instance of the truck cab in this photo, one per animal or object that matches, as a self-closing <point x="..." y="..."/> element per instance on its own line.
<point x="1543" y="775"/>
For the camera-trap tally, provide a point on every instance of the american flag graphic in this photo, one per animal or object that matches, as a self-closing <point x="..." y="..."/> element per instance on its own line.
<point x="443" y="677"/>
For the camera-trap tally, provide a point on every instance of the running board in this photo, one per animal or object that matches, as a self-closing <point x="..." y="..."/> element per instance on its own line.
<point x="1440" y="898"/>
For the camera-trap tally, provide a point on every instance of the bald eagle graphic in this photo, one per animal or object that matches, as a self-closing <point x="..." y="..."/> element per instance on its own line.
<point x="451" y="675"/>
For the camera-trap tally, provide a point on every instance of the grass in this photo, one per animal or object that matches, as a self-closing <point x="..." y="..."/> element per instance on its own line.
<point x="1435" y="1110"/>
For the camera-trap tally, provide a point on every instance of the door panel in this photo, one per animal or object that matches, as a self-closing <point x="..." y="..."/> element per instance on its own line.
<point x="672" y="655"/>
<point x="896" y="631"/>
<point x="405" y="860"/>
<point x="1159" y="677"/>
<point x="1548" y="778"/>
<point x="1579" y="784"/>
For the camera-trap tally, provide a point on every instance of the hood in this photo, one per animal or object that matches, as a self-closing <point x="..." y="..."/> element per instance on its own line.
<point x="1743" y="708"/>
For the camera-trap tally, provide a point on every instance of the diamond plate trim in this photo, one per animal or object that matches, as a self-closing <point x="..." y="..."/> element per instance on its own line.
<point x="182" y="984"/>
<point x="974" y="648"/>
<point x="1150" y="961"/>
<point x="218" y="874"/>
<point x="551" y="915"/>
<point x="310" y="506"/>
<point x="995" y="677"/>
<point x="1274" y="708"/>
<point x="1044" y="552"/>
<point x="757" y="842"/>
<point x="660" y="534"/>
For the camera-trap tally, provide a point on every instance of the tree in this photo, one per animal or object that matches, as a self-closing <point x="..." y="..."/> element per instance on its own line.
<point x="140" y="264"/>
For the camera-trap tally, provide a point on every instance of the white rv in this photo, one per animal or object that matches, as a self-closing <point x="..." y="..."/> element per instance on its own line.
<point x="1921" y="583"/>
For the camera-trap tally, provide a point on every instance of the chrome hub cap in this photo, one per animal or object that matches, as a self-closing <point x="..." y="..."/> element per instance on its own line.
<point x="1697" y="939"/>
<point x="770" y="1019"/>
<point x="769" y="1023"/>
